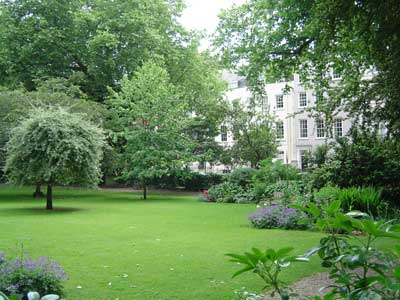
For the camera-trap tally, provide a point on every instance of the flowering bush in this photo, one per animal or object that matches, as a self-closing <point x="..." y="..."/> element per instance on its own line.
<point x="23" y="275"/>
<point x="277" y="216"/>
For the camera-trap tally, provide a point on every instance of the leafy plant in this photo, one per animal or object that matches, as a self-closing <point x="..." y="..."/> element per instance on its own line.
<point x="225" y="192"/>
<point x="242" y="177"/>
<point x="366" y="199"/>
<point x="268" y="265"/>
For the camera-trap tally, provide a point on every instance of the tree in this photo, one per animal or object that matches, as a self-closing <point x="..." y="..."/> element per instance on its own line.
<point x="152" y="119"/>
<point x="54" y="147"/>
<point x="269" y="40"/>
<point x="253" y="133"/>
<point x="16" y="105"/>
<point x="94" y="43"/>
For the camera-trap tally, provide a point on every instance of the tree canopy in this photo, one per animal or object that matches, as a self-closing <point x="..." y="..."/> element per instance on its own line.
<point x="15" y="105"/>
<point x="54" y="147"/>
<point x="152" y="119"/>
<point x="358" y="41"/>
<point x="253" y="133"/>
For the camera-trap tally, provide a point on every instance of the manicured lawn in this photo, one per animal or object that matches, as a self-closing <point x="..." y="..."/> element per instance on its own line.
<point x="171" y="247"/>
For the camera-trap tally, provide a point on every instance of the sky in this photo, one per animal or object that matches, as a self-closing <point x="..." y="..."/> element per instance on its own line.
<point x="203" y="14"/>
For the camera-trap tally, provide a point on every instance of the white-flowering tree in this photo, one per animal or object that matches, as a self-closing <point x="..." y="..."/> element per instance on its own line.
<point x="55" y="147"/>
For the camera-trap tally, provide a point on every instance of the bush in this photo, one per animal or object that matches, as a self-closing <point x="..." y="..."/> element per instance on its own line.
<point x="326" y="195"/>
<point x="188" y="180"/>
<point x="23" y="275"/>
<point x="283" y="191"/>
<point x="225" y="192"/>
<point x="363" y="159"/>
<point x="242" y="177"/>
<point x="272" y="172"/>
<point x="277" y="216"/>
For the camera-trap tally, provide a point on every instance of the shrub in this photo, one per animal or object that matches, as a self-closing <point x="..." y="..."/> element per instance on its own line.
<point x="378" y="275"/>
<point x="23" y="275"/>
<point x="326" y="195"/>
<point x="272" y="172"/>
<point x="366" y="199"/>
<point x="283" y="191"/>
<point x="277" y="216"/>
<point x="225" y="192"/>
<point x="188" y="180"/>
<point x="242" y="177"/>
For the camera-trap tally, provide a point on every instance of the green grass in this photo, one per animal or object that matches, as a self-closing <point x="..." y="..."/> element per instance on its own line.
<point x="171" y="247"/>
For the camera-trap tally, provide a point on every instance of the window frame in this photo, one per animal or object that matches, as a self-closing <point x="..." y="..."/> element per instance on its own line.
<point x="300" y="99"/>
<point x="280" y="96"/>
<point x="302" y="128"/>
<point x="318" y="128"/>
<point x="337" y="121"/>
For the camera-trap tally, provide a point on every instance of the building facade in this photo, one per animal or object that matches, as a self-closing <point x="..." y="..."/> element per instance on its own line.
<point x="297" y="131"/>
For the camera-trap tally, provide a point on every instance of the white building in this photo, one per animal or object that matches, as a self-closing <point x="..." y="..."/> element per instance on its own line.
<point x="297" y="130"/>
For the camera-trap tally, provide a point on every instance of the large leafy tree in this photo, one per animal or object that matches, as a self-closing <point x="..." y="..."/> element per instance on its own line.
<point x="55" y="147"/>
<point x="253" y="133"/>
<point x="269" y="40"/>
<point x="15" y="105"/>
<point x="98" y="42"/>
<point x="151" y="118"/>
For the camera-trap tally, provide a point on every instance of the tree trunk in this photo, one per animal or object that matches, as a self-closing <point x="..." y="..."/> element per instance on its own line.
<point x="49" y="197"/>
<point x="144" y="191"/>
<point x="38" y="193"/>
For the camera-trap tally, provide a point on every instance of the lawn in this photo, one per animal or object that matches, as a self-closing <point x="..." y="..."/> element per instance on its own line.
<point x="117" y="246"/>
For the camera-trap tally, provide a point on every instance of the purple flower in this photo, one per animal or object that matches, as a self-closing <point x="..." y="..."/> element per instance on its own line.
<point x="276" y="216"/>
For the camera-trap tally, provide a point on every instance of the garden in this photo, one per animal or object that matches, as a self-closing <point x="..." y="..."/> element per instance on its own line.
<point x="111" y="118"/>
<point x="117" y="245"/>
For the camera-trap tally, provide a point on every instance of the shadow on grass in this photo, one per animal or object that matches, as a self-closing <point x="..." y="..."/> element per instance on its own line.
<point x="41" y="210"/>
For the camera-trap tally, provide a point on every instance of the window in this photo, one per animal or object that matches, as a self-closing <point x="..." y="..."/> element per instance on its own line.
<point x="302" y="99"/>
<point x="335" y="74"/>
<point x="201" y="165"/>
<point x="279" y="101"/>
<point x="232" y="85"/>
<point x="320" y="127"/>
<point x="304" y="159"/>
<point x="224" y="134"/>
<point x="226" y="171"/>
<point x="280" y="130"/>
<point x="264" y="104"/>
<point x="281" y="155"/>
<point x="338" y="127"/>
<point x="242" y="83"/>
<point x="303" y="129"/>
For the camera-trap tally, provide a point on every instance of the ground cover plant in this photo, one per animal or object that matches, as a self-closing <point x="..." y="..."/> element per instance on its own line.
<point x="116" y="245"/>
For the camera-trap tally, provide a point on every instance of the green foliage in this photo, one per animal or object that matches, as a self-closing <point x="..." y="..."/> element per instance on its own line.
<point x="359" y="270"/>
<point x="254" y="135"/>
<point x="188" y="180"/>
<point x="351" y="38"/>
<point x="364" y="159"/>
<point x="225" y="192"/>
<point x="242" y="177"/>
<point x="266" y="264"/>
<point x="277" y="178"/>
<point x="55" y="147"/>
<point x="52" y="93"/>
<point x="326" y="195"/>
<point x="272" y="172"/>
<point x="149" y="114"/>
<point x="365" y="199"/>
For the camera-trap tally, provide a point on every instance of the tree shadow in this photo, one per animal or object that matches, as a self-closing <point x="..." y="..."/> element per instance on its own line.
<point x="42" y="210"/>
